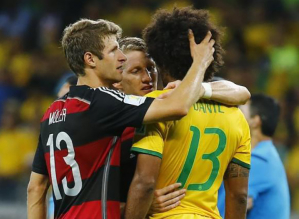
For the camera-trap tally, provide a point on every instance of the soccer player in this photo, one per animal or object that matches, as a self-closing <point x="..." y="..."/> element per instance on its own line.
<point x="78" y="150"/>
<point x="210" y="143"/>
<point x="268" y="191"/>
<point x="140" y="78"/>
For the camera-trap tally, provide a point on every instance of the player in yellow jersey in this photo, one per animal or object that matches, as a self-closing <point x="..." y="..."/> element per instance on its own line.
<point x="139" y="78"/>
<point x="211" y="143"/>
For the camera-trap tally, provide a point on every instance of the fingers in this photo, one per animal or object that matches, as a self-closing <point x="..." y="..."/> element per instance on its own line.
<point x="172" y="203"/>
<point x="167" y="189"/>
<point x="172" y="196"/>
<point x="207" y="37"/>
<point x="212" y="42"/>
<point x="172" y="85"/>
<point x="164" y="95"/>
<point x="191" y="37"/>
<point x="169" y="207"/>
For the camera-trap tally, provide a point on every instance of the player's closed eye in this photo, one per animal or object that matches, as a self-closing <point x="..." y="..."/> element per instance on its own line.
<point x="135" y="71"/>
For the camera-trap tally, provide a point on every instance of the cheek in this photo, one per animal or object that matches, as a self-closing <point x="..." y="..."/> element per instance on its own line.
<point x="127" y="82"/>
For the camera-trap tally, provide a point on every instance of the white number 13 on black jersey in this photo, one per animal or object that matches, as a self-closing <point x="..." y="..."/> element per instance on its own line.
<point x="69" y="160"/>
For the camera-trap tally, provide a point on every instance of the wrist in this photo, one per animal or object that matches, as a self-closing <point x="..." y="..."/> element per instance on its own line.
<point x="208" y="90"/>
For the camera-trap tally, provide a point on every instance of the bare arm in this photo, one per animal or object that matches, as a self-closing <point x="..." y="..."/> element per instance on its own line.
<point x="225" y="92"/>
<point x="236" y="188"/>
<point x="178" y="103"/>
<point x="229" y="93"/>
<point x="142" y="187"/>
<point x="36" y="196"/>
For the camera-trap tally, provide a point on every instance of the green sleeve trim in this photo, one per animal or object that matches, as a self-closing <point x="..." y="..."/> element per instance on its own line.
<point x="145" y="151"/>
<point x="241" y="163"/>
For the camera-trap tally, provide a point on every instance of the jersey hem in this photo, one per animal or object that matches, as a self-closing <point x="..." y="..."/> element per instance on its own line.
<point x="39" y="171"/>
<point x="145" y="151"/>
<point x="241" y="163"/>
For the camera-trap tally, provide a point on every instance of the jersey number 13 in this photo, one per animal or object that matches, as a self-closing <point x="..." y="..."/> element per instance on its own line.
<point x="69" y="160"/>
<point x="213" y="157"/>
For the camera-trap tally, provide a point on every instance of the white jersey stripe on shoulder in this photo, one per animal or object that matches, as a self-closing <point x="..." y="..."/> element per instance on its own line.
<point x="112" y="94"/>
<point x="62" y="100"/>
<point x="80" y="99"/>
<point x="118" y="93"/>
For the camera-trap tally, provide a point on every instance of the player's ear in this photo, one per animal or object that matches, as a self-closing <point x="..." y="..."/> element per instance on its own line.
<point x="118" y="86"/>
<point x="256" y="121"/>
<point x="89" y="59"/>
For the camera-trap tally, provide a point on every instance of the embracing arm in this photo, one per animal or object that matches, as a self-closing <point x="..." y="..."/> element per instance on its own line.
<point x="236" y="188"/>
<point x="142" y="187"/>
<point x="229" y="93"/>
<point x="223" y="91"/>
<point x="36" y="196"/>
<point x="178" y="103"/>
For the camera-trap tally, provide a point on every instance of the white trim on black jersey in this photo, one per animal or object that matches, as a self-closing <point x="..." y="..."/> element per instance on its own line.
<point x="116" y="94"/>
<point x="63" y="100"/>
<point x="115" y="91"/>
<point x="80" y="99"/>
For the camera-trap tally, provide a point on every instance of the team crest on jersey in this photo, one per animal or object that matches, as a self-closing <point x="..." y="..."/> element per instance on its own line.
<point x="140" y="131"/>
<point x="134" y="100"/>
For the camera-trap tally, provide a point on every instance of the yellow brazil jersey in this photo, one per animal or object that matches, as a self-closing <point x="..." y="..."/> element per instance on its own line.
<point x="196" y="151"/>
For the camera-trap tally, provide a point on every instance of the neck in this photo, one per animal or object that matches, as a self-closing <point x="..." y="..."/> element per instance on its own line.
<point x="257" y="137"/>
<point x="92" y="80"/>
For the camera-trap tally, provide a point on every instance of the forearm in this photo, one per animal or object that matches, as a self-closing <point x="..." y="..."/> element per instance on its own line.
<point x="139" y="200"/>
<point x="190" y="90"/>
<point x="235" y="206"/>
<point x="36" y="205"/>
<point x="236" y="189"/>
<point x="229" y="93"/>
<point x="36" y="196"/>
<point x="177" y="104"/>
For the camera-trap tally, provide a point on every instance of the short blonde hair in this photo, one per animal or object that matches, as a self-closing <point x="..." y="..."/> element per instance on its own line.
<point x="86" y="36"/>
<point x="128" y="44"/>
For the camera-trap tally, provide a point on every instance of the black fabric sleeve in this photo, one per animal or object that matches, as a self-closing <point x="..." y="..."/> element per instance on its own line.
<point x="128" y="163"/>
<point x="113" y="110"/>
<point x="39" y="163"/>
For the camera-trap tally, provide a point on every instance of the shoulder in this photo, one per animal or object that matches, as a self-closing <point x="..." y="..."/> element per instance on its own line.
<point x="258" y="158"/>
<point x="265" y="151"/>
<point x="102" y="94"/>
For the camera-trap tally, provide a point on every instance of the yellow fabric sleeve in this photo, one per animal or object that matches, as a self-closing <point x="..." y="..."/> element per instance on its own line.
<point x="150" y="138"/>
<point x="243" y="153"/>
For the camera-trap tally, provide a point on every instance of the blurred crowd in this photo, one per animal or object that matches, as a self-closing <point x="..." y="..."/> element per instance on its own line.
<point x="262" y="53"/>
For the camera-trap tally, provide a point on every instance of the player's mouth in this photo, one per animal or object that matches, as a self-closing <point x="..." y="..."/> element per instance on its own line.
<point x="120" y="68"/>
<point x="148" y="88"/>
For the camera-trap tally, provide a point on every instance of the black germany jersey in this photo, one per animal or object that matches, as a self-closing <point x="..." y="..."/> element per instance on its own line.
<point x="128" y="162"/>
<point x="79" y="152"/>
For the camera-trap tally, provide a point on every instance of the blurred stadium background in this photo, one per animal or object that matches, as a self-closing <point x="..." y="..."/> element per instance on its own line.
<point x="262" y="53"/>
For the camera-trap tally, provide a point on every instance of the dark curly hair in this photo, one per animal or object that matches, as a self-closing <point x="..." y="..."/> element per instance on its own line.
<point x="167" y="41"/>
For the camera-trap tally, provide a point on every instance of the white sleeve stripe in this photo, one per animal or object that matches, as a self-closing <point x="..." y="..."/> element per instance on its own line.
<point x="80" y="99"/>
<point x="114" y="91"/>
<point x="110" y="91"/>
<point x="113" y="95"/>
<point x="117" y="92"/>
<point x="63" y="100"/>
